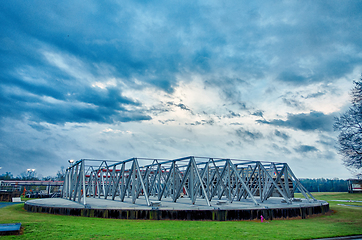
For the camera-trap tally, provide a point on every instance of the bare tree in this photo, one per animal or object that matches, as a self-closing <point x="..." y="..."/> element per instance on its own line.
<point x="350" y="126"/>
<point x="30" y="174"/>
<point x="61" y="174"/>
<point x="6" y="176"/>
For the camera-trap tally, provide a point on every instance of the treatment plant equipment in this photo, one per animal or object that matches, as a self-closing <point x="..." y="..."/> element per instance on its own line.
<point x="185" y="188"/>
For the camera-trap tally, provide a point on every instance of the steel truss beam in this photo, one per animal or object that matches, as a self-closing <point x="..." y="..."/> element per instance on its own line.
<point x="192" y="177"/>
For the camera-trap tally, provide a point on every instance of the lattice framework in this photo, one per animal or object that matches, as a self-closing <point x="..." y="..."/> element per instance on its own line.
<point x="192" y="177"/>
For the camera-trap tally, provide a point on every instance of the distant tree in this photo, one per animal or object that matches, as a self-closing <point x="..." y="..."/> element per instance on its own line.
<point x="61" y="174"/>
<point x="324" y="185"/>
<point x="6" y="176"/>
<point x="48" y="178"/>
<point x="350" y="136"/>
<point x="28" y="175"/>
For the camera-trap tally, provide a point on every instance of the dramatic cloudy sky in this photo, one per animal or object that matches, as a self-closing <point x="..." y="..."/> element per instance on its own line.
<point x="163" y="79"/>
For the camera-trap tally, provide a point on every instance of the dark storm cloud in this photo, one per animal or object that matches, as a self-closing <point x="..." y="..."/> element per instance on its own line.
<point x="326" y="27"/>
<point x="20" y="99"/>
<point x="61" y="114"/>
<point x="153" y="42"/>
<point x="51" y="53"/>
<point x="305" y="121"/>
<point x="156" y="39"/>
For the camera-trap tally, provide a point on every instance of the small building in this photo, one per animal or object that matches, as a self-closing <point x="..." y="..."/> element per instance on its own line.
<point x="354" y="185"/>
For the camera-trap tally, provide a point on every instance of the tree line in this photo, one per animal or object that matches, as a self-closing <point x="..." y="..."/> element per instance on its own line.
<point x="311" y="184"/>
<point x="324" y="185"/>
<point x="33" y="176"/>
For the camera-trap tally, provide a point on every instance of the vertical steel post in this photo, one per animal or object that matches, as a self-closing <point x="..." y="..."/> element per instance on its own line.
<point x="83" y="176"/>
<point x="145" y="192"/>
<point x="201" y="182"/>
<point x="192" y="194"/>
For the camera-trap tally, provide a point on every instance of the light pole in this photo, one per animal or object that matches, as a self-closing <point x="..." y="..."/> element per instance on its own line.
<point x="68" y="179"/>
<point x="71" y="161"/>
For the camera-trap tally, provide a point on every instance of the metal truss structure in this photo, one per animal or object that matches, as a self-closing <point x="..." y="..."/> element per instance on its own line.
<point x="190" y="177"/>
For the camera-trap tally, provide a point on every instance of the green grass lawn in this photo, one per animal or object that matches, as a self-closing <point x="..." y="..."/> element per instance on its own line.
<point x="343" y="221"/>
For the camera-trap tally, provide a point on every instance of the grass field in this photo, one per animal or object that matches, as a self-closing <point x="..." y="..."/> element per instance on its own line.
<point x="342" y="222"/>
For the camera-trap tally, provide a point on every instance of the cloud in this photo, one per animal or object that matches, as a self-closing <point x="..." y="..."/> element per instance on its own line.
<point x="305" y="149"/>
<point x="315" y="95"/>
<point x="288" y="76"/>
<point x="39" y="109"/>
<point x="248" y="136"/>
<point x="64" y="100"/>
<point x="232" y="114"/>
<point x="38" y="126"/>
<point x="166" y="121"/>
<point x="258" y="113"/>
<point x="236" y="123"/>
<point x="169" y="70"/>
<point x="194" y="124"/>
<point x="282" y="135"/>
<point x="313" y="121"/>
<point x="202" y="122"/>
<point x="181" y="106"/>
<point x="293" y="103"/>
<point x="281" y="149"/>
<point x="154" y="41"/>
<point x="327" y="141"/>
<point x="231" y="89"/>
